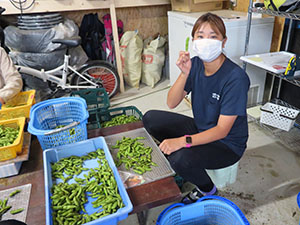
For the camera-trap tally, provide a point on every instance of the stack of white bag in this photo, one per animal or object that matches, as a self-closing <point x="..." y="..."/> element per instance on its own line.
<point x="142" y="62"/>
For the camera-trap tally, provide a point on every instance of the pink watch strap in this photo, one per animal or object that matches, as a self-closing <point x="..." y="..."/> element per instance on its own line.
<point x="188" y="145"/>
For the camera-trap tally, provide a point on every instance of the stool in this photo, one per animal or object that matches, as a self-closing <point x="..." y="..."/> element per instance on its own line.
<point x="224" y="176"/>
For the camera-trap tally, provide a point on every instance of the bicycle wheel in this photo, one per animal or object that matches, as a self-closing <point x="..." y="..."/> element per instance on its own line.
<point x="100" y="72"/>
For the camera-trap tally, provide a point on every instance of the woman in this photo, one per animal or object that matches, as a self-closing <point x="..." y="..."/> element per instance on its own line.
<point x="10" y="79"/>
<point x="216" y="137"/>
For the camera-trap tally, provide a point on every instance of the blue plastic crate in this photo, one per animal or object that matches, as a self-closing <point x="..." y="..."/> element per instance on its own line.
<point x="80" y="149"/>
<point x="46" y="116"/>
<point x="207" y="210"/>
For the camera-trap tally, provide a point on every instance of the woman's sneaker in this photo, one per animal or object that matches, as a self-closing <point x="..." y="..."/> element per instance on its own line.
<point x="195" y="194"/>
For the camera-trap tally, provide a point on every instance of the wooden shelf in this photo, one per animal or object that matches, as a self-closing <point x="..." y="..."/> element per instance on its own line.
<point x="41" y="6"/>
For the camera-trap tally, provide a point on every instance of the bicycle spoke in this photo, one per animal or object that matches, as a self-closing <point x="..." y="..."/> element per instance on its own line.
<point x="103" y="75"/>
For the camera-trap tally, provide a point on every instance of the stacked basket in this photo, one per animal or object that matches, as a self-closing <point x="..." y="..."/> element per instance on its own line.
<point x="13" y="115"/>
<point x="100" y="111"/>
<point x="59" y="121"/>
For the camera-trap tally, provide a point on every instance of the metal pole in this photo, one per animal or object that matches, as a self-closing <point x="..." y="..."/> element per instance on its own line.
<point x="288" y="35"/>
<point x="286" y="49"/>
<point x="248" y="31"/>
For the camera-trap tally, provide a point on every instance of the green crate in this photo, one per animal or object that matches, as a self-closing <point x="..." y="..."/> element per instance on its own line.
<point x="96" y="98"/>
<point x="97" y="117"/>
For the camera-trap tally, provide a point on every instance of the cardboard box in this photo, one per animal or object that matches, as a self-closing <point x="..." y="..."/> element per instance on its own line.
<point x="196" y="5"/>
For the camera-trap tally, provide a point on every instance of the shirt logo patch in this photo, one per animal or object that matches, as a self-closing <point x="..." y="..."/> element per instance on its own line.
<point x="216" y="96"/>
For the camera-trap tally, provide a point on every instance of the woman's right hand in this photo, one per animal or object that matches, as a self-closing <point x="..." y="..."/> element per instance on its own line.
<point x="184" y="62"/>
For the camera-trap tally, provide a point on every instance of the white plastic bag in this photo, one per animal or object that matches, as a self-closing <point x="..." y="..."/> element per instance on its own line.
<point x="153" y="59"/>
<point x="131" y="46"/>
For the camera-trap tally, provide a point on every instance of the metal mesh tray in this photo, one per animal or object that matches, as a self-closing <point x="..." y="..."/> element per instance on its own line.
<point x="158" y="172"/>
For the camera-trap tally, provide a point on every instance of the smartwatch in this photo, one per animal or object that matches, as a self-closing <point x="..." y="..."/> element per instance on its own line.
<point x="188" y="141"/>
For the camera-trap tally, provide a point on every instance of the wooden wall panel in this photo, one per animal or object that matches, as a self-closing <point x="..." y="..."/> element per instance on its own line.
<point x="277" y="33"/>
<point x="242" y="5"/>
<point x="149" y="20"/>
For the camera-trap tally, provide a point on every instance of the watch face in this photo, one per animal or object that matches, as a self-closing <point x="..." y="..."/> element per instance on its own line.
<point x="188" y="140"/>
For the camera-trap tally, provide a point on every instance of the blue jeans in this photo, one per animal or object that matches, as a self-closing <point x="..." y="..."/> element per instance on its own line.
<point x="189" y="163"/>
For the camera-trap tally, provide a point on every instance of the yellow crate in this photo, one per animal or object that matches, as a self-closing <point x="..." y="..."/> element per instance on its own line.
<point x="18" y="106"/>
<point x="10" y="151"/>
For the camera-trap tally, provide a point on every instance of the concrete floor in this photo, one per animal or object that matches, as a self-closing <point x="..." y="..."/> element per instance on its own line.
<point x="268" y="179"/>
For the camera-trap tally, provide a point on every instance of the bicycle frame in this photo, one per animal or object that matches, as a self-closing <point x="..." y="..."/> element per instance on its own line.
<point x="61" y="82"/>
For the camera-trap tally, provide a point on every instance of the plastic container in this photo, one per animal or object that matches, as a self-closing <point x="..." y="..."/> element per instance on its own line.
<point x="10" y="169"/>
<point x="207" y="210"/>
<point x="24" y="99"/>
<point x="10" y="151"/>
<point x="95" y="98"/>
<point x="298" y="201"/>
<point x="278" y="116"/>
<point x="80" y="149"/>
<point x="69" y="112"/>
<point x="275" y="62"/>
<point x="224" y="176"/>
<point x="98" y="117"/>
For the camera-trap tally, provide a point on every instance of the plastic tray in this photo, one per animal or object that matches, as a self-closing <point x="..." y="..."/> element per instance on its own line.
<point x="80" y="149"/>
<point x="158" y="172"/>
<point x="275" y="62"/>
<point x="278" y="116"/>
<point x="96" y="117"/>
<point x="95" y="98"/>
<point x="47" y="115"/>
<point x="10" y="151"/>
<point x="24" y="99"/>
<point x="207" y="210"/>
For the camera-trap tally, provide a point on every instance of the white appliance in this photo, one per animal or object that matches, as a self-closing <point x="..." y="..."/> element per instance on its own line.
<point x="181" y="25"/>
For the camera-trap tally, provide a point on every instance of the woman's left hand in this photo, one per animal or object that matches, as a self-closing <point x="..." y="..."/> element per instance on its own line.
<point x="171" y="145"/>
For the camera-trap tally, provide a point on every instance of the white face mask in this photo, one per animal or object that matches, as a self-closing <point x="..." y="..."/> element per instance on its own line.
<point x="207" y="49"/>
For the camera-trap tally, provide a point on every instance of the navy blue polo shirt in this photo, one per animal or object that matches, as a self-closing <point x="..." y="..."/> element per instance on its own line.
<point x="223" y="93"/>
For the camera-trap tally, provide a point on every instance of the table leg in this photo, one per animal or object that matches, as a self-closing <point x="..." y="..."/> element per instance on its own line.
<point x="142" y="217"/>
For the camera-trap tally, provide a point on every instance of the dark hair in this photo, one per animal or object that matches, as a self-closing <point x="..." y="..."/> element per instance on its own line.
<point x="215" y="22"/>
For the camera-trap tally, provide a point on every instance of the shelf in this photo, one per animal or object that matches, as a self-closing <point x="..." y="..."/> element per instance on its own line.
<point x="42" y="6"/>
<point x="292" y="80"/>
<point x="276" y="13"/>
<point x="290" y="138"/>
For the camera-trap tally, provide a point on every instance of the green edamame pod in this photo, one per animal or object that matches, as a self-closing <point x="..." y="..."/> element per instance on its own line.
<point x="12" y="194"/>
<point x="16" y="211"/>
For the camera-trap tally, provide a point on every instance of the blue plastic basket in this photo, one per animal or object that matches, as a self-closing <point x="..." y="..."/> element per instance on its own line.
<point x="79" y="149"/>
<point x="298" y="201"/>
<point x="46" y="116"/>
<point x="207" y="210"/>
